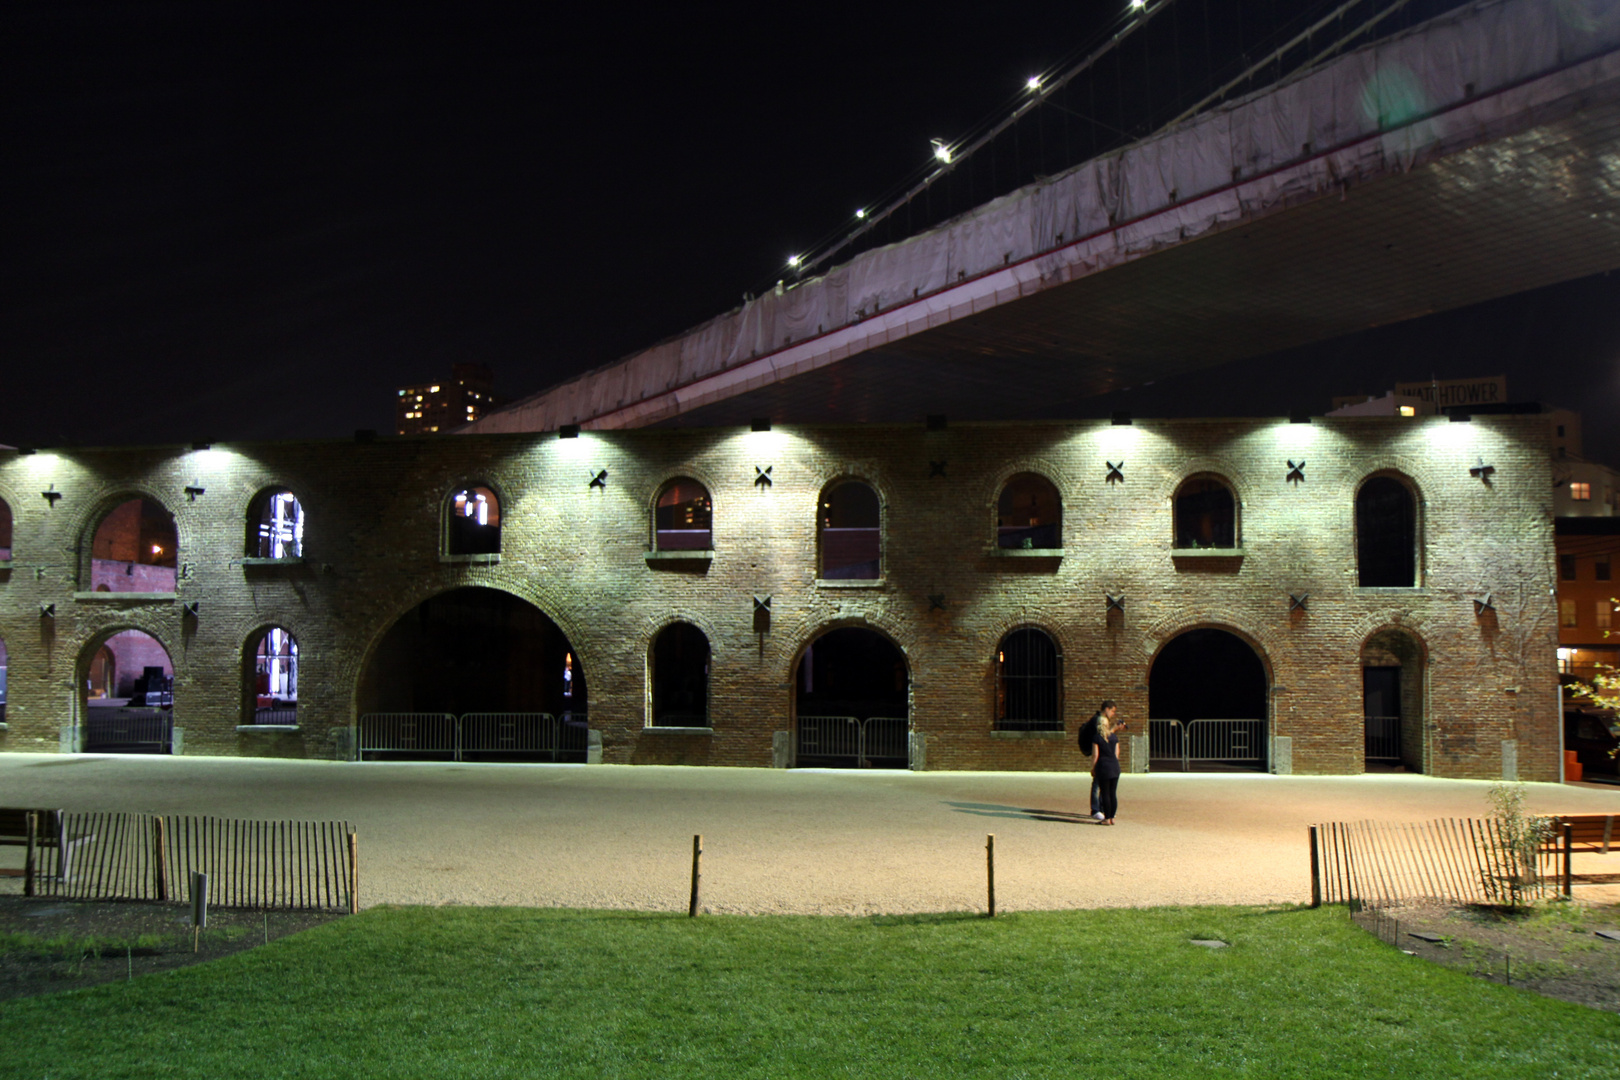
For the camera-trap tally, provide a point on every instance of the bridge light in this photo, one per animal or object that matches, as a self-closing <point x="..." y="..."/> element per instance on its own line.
<point x="1138" y="5"/>
<point x="1034" y="83"/>
<point x="941" y="151"/>
<point x="794" y="260"/>
<point x="860" y="215"/>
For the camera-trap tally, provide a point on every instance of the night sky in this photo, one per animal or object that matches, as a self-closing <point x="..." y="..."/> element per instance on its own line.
<point x="254" y="220"/>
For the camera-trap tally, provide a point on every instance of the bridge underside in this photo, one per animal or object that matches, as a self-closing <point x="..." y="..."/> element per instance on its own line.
<point x="1523" y="212"/>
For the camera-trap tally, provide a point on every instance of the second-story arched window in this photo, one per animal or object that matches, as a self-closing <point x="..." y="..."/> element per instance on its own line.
<point x="1206" y="514"/>
<point x="474" y="522"/>
<point x="277" y="526"/>
<point x="1029" y="513"/>
<point x="1386" y="534"/>
<point x="135" y="548"/>
<point x="1028" y="682"/>
<point x="850" y="532"/>
<point x="683" y="517"/>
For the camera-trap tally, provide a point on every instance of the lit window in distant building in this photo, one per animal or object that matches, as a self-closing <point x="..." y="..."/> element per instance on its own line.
<point x="1605" y="612"/>
<point x="1567" y="614"/>
<point x="1580" y="491"/>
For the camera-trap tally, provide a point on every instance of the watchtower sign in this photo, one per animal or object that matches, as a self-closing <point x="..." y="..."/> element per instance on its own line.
<point x="1447" y="392"/>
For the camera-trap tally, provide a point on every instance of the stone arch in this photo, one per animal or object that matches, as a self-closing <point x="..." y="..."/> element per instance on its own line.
<point x="1029" y="680"/>
<point x="136" y="712"/>
<point x="126" y="531"/>
<point x="1387" y="526"/>
<point x="471" y="516"/>
<point x="273" y="525"/>
<point x="1394" y="662"/>
<point x="1209" y="695"/>
<point x="863" y="675"/>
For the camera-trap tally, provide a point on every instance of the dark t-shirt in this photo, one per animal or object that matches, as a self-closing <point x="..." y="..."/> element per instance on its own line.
<point x="1108" y="759"/>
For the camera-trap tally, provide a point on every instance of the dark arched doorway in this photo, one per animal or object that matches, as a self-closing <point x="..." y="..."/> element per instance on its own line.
<point x="1207" y="703"/>
<point x="473" y="674"/>
<point x="1392" y="701"/>
<point x="126" y="687"/>
<point x="852" y="702"/>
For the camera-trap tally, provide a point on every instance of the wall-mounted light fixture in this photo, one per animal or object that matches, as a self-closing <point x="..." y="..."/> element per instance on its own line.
<point x="24" y="451"/>
<point x="760" y="423"/>
<point x="193" y="490"/>
<point x="1299" y="416"/>
<point x="568" y="431"/>
<point x="1459" y="416"/>
<point x="1120" y="418"/>
<point x="202" y="444"/>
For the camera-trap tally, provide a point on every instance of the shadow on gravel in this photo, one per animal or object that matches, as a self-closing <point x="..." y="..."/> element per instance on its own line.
<point x="993" y="810"/>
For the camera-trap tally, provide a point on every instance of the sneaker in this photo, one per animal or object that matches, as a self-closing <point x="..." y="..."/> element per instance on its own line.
<point x="1098" y="815"/>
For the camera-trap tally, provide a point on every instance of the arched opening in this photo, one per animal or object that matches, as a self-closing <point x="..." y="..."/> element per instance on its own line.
<point x="1029" y="513"/>
<point x="850" y="532"/>
<point x="473" y="524"/>
<point x="680" y="677"/>
<point x="473" y="674"/>
<point x="5" y="531"/>
<point x="127" y="695"/>
<point x="276" y="526"/>
<point x="5" y="664"/>
<point x="1206" y="514"/>
<point x="683" y="517"/>
<point x="1392" y="700"/>
<point x="1207" y="703"/>
<point x="135" y="549"/>
<point x="1386" y="534"/>
<point x="1029" y="682"/>
<point x="272" y="663"/>
<point x="852" y="702"/>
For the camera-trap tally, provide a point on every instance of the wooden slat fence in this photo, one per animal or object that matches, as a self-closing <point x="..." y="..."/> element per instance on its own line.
<point x="1463" y="860"/>
<point x="285" y="865"/>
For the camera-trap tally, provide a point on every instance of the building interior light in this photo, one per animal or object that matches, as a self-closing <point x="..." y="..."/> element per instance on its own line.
<point x="433" y="389"/>
<point x="1407" y="410"/>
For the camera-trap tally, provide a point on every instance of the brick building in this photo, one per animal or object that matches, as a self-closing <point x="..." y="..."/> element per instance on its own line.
<point x="703" y="596"/>
<point x="438" y="408"/>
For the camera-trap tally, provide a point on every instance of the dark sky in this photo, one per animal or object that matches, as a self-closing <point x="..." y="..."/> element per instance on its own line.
<point x="254" y="220"/>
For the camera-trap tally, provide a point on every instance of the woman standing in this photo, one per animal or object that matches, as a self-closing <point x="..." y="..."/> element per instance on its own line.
<point x="1105" y="764"/>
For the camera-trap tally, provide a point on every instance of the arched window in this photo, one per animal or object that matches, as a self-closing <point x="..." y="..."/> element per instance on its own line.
<point x="277" y="531"/>
<point x="680" y="677"/>
<point x="275" y="678"/>
<point x="475" y="522"/>
<point x="4" y="664"/>
<point x="683" y="517"/>
<point x="1206" y="514"/>
<point x="850" y="532"/>
<point x="1028" y="682"/>
<point x="134" y="549"/>
<point x="1386" y="534"/>
<point x="5" y="531"/>
<point x="1029" y="513"/>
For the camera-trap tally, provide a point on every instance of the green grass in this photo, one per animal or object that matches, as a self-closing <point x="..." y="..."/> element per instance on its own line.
<point x="466" y="992"/>
<point x="13" y="944"/>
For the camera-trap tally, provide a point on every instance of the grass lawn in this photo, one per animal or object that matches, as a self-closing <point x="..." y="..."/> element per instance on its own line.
<point x="496" y="992"/>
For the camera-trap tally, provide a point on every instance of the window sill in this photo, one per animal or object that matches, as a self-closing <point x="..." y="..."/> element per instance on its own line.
<point x="3" y="727"/>
<point x="1207" y="553"/>
<point x="1394" y="589"/>
<point x="127" y="597"/>
<point x="295" y="560"/>
<point x="695" y="555"/>
<point x="662" y="730"/>
<point x="1026" y="553"/>
<point x="850" y="583"/>
<point x="268" y="729"/>
<point x="1050" y="736"/>
<point x="489" y="558"/>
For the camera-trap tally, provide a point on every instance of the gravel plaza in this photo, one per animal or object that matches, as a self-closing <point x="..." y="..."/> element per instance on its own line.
<point x="806" y="841"/>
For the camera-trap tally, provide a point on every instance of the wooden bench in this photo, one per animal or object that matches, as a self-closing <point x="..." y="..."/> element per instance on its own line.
<point x="1596" y="834"/>
<point x="15" y="832"/>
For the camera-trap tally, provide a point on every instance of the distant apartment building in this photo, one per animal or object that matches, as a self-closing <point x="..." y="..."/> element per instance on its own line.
<point x="1588" y="549"/>
<point x="438" y="408"/>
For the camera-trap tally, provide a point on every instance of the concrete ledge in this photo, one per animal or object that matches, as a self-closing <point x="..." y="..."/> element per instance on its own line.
<point x="127" y="597"/>
<point x="267" y="729"/>
<point x="1207" y="553"/>
<point x="1050" y="736"/>
<point x="850" y="583"/>
<point x="484" y="559"/>
<point x="1026" y="553"/>
<point x="296" y="560"/>
<point x="662" y="730"/>
<point x="696" y="555"/>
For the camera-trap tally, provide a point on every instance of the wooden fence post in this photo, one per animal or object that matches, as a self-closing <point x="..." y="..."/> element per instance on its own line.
<point x="160" y="857"/>
<point x="990" y="869"/>
<point x="697" y="874"/>
<point x="29" y="853"/>
<point x="1569" y="844"/>
<point x="354" y="873"/>
<point x="1316" y="872"/>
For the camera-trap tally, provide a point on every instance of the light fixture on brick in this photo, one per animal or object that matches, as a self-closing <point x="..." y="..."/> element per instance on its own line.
<point x="193" y="490"/>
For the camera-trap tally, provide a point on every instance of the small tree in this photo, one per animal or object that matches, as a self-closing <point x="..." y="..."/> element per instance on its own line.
<point x="1519" y="838"/>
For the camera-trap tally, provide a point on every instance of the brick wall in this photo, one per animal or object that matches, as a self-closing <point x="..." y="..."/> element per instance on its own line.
<point x="375" y="523"/>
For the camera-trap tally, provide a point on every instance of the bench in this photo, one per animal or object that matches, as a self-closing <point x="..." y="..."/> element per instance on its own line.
<point x="14" y="832"/>
<point x="1597" y="834"/>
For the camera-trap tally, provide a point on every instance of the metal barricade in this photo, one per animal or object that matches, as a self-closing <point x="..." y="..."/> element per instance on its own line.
<point x="847" y="741"/>
<point x="1384" y="738"/>
<point x="1228" y="742"/>
<point x="128" y="731"/>
<point x="407" y="734"/>
<point x="522" y="735"/>
<point x="1167" y="743"/>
